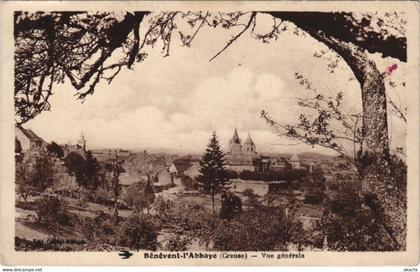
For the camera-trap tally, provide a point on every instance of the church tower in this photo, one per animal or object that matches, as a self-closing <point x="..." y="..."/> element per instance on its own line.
<point x="235" y="146"/>
<point x="249" y="146"/>
<point x="82" y="142"/>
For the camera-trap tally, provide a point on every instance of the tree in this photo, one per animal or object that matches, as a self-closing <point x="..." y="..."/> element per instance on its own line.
<point x="260" y="229"/>
<point x="114" y="168"/>
<point x="85" y="168"/>
<point x="213" y="176"/>
<point x="92" y="168"/>
<point x="140" y="196"/>
<point x="149" y="195"/>
<point x="349" y="37"/>
<point x="55" y="149"/>
<point x="74" y="45"/>
<point x="24" y="180"/>
<point x="231" y="206"/>
<point x="134" y="197"/>
<point x="251" y="198"/>
<point x="43" y="176"/>
<point x="164" y="209"/>
<point x="350" y="226"/>
<point x="138" y="232"/>
<point x="52" y="212"/>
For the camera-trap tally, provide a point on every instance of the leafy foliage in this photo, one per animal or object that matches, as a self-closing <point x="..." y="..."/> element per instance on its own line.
<point x="140" y="196"/>
<point x="164" y="209"/>
<point x="251" y="198"/>
<point x="85" y="168"/>
<point x="231" y="206"/>
<point x="54" y="148"/>
<point x="52" y="212"/>
<point x="177" y="243"/>
<point x="352" y="227"/>
<point x="114" y="168"/>
<point x="284" y="175"/>
<point x="138" y="232"/>
<point x="24" y="179"/>
<point x="189" y="183"/>
<point x="51" y="47"/>
<point x="260" y="229"/>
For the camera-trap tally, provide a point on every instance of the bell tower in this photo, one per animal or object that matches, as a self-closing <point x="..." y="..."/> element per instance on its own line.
<point x="82" y="141"/>
<point x="249" y="146"/>
<point x="235" y="146"/>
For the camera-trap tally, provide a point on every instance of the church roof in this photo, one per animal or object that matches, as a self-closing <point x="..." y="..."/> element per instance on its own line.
<point x="249" y="140"/>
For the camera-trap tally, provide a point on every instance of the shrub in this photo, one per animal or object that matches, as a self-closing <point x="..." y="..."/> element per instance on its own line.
<point x="189" y="183"/>
<point x="258" y="229"/>
<point x="54" y="149"/>
<point x="101" y="228"/>
<point x="177" y="243"/>
<point x="138" y="232"/>
<point x="140" y="196"/>
<point x="52" y="212"/>
<point x="252" y="198"/>
<point x="232" y="174"/>
<point x="231" y="206"/>
<point x="313" y="198"/>
<point x="285" y="175"/>
<point x="164" y="209"/>
<point x="101" y="196"/>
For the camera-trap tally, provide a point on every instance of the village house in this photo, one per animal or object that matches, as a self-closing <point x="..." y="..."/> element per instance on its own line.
<point x="179" y="166"/>
<point x="28" y="140"/>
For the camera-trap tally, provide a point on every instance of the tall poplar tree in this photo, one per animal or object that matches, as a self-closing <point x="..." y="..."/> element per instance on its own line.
<point x="213" y="177"/>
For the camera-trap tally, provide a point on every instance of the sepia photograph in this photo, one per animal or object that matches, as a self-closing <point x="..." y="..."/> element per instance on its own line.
<point x="206" y="133"/>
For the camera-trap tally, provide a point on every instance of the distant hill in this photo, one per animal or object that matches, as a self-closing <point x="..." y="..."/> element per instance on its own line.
<point x="314" y="156"/>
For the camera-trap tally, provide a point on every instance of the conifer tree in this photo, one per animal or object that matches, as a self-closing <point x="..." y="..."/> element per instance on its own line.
<point x="213" y="176"/>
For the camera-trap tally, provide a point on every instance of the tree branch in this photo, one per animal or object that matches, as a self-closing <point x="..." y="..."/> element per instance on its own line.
<point x="234" y="38"/>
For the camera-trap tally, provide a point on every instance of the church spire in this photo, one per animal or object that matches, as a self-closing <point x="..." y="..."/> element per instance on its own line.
<point x="249" y="146"/>
<point x="249" y="139"/>
<point x="235" y="137"/>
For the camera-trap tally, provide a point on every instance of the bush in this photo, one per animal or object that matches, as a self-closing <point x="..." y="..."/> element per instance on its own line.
<point x="54" y="149"/>
<point x="52" y="212"/>
<point x="258" y="229"/>
<point x="101" y="228"/>
<point x="164" y="209"/>
<point x="252" y="199"/>
<point x="285" y="175"/>
<point x="313" y="199"/>
<point x="101" y="196"/>
<point x="232" y="174"/>
<point x="231" y="206"/>
<point x="177" y="243"/>
<point x="189" y="183"/>
<point x="138" y="232"/>
<point x="140" y="196"/>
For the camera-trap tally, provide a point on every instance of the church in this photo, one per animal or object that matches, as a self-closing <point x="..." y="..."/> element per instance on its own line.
<point x="244" y="156"/>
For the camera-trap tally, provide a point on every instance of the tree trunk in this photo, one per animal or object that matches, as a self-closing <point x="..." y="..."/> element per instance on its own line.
<point x="378" y="187"/>
<point x="212" y="200"/>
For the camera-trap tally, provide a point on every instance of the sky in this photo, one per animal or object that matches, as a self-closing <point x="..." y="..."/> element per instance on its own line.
<point x="175" y="103"/>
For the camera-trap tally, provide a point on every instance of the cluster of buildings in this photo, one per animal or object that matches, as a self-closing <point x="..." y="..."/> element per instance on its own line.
<point x="244" y="156"/>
